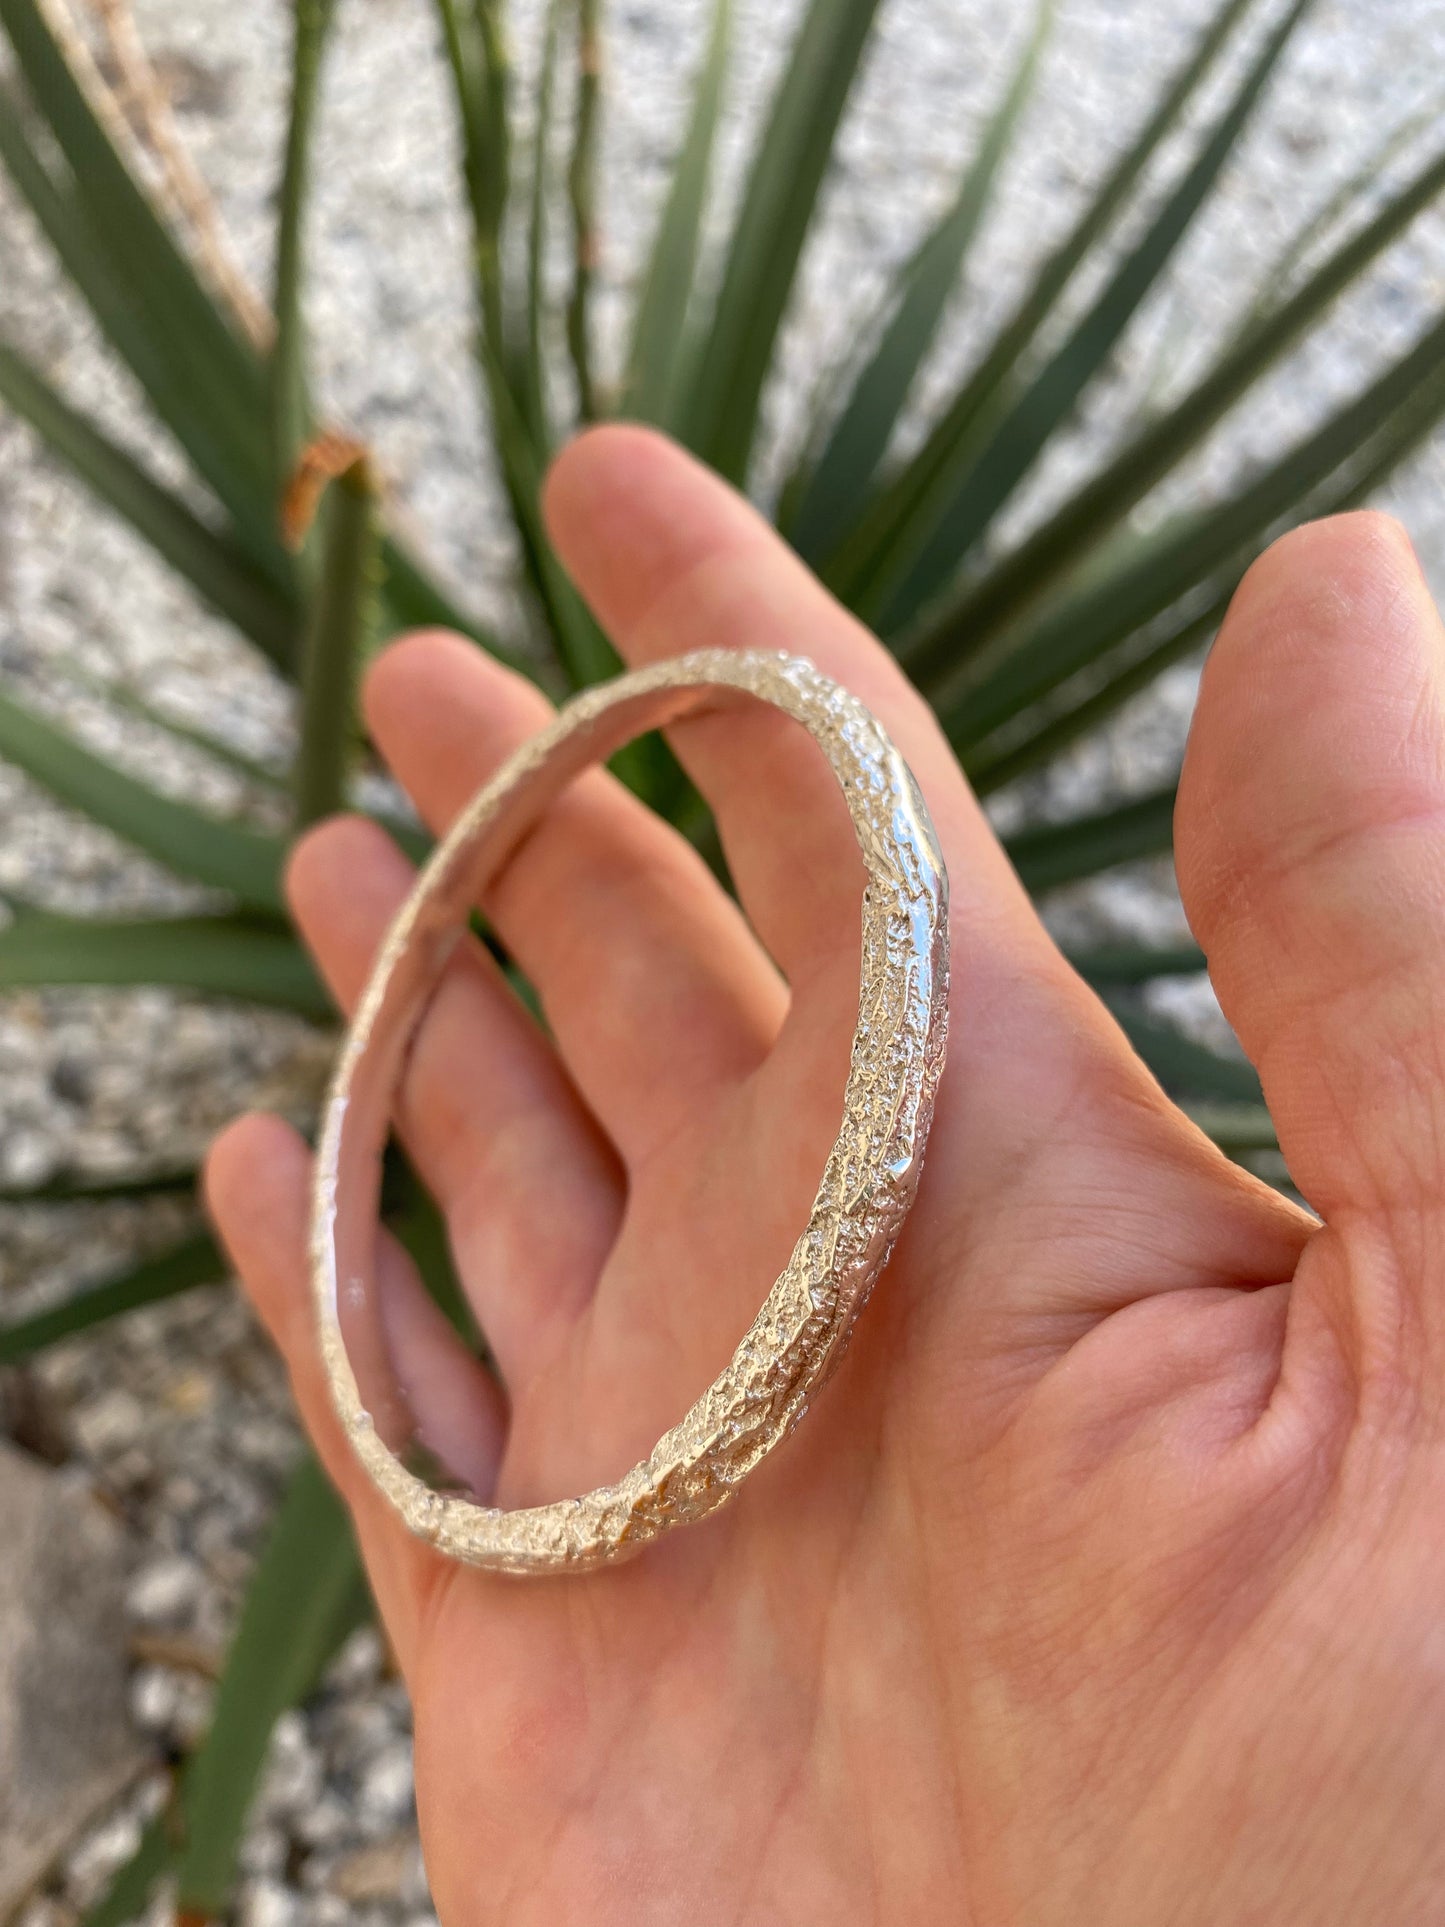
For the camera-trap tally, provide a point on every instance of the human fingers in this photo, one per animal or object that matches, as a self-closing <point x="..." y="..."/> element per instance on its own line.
<point x="527" y="1182"/>
<point x="671" y="559"/>
<point x="605" y="907"/>
<point x="1311" y="850"/>
<point x="258" y="1185"/>
<point x="1046" y="1118"/>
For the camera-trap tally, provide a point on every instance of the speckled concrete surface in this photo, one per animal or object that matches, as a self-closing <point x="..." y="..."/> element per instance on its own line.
<point x="179" y="1416"/>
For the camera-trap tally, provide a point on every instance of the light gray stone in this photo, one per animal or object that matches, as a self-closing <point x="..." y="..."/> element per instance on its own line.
<point x="66" y="1740"/>
<point x="385" y="1792"/>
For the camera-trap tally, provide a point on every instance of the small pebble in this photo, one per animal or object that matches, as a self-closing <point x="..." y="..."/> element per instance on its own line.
<point x="386" y="1784"/>
<point x="375" y="1872"/>
<point x="268" y="1903"/>
<point x="162" y="1592"/>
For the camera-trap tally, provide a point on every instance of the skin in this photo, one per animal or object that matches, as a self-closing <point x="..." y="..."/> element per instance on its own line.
<point x="1102" y="1583"/>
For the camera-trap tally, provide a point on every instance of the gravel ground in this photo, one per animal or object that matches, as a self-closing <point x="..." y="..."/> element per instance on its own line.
<point x="179" y="1415"/>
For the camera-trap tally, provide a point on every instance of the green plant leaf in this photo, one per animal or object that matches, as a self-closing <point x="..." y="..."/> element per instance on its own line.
<point x="1082" y="627"/>
<point x="306" y="1596"/>
<point x="966" y="626"/>
<point x="180" y="401"/>
<point x="582" y="651"/>
<point x="339" y="625"/>
<point x="140" y="249"/>
<point x="262" y="775"/>
<point x="215" y="568"/>
<point x="859" y="556"/>
<point x="1056" y="853"/>
<point x="412" y="599"/>
<point x="121" y="695"/>
<point x="195" y="1261"/>
<point x="1236" y="1127"/>
<point x="659" y="327"/>
<point x="1374" y="457"/>
<point x="767" y="239"/>
<point x="1048" y="399"/>
<point x="402" y="828"/>
<point x="128" y="1894"/>
<point x="243" y="862"/>
<point x="1233" y="1113"/>
<point x="838" y="486"/>
<point x="177" y="1181"/>
<point x="1040" y="732"/>
<point x="1136" y="963"/>
<point x="1185" y="1068"/>
<point x="217" y="956"/>
<point x="585" y="653"/>
<point x="481" y="71"/>
<point x="532" y="373"/>
<point x="1357" y="189"/>
<point x="290" y="404"/>
<point x="1043" y="733"/>
<point x="582" y="195"/>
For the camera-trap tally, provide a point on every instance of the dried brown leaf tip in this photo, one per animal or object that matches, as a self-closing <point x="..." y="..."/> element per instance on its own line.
<point x="325" y="459"/>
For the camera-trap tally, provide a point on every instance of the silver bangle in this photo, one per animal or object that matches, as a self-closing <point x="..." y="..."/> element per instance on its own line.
<point x="868" y="1182"/>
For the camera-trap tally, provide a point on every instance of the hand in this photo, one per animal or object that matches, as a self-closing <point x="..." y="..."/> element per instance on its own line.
<point x="1104" y="1582"/>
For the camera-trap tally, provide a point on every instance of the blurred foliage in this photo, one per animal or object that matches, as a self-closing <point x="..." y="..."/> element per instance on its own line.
<point x="1021" y="644"/>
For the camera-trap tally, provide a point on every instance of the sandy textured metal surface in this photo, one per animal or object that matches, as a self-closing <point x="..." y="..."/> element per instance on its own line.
<point x="867" y="1185"/>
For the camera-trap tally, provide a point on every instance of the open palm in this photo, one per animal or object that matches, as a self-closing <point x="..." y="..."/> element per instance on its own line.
<point x="1097" y="1586"/>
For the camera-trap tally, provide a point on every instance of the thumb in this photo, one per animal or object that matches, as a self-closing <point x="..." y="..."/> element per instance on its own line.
<point x="1311" y="849"/>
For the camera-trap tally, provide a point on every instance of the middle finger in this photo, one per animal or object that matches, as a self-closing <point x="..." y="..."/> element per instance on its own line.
<point x="657" y="992"/>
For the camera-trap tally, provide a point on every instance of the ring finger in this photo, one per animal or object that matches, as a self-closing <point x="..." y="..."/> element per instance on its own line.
<point x="531" y="1189"/>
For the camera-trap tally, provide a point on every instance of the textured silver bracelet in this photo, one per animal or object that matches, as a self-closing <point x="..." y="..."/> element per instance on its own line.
<point x="867" y="1185"/>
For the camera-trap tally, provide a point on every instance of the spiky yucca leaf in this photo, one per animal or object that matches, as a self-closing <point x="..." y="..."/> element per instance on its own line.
<point x="339" y="625"/>
<point x="129" y="1892"/>
<point x="1056" y="853"/>
<point x="194" y="1261"/>
<point x="208" y="385"/>
<point x="219" y="956"/>
<point x="307" y="1595"/>
<point x="582" y="194"/>
<point x="659" y="326"/>
<point x="291" y="421"/>
<point x="1136" y="963"/>
<point x="902" y="511"/>
<point x="828" y="491"/>
<point x="766" y="245"/>
<point x="214" y="566"/>
<point x="1109" y="609"/>
<point x="965" y="629"/>
<point x="921" y="566"/>
<point x="243" y="862"/>
<point x="176" y="1182"/>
